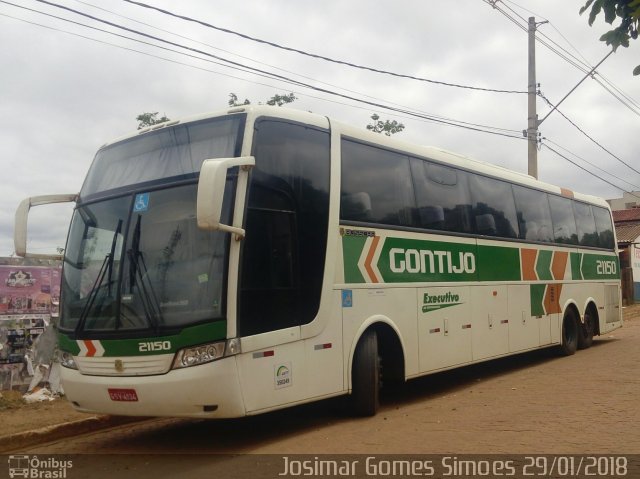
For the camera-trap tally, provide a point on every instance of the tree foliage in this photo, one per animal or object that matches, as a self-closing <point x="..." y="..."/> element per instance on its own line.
<point x="387" y="127"/>
<point x="628" y="11"/>
<point x="233" y="100"/>
<point x="275" y="100"/>
<point x="280" y="100"/>
<point x="149" y="119"/>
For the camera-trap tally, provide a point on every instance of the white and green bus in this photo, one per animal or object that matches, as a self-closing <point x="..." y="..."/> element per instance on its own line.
<point x="246" y="261"/>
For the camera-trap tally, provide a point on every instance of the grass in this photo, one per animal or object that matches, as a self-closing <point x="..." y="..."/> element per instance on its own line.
<point x="11" y="400"/>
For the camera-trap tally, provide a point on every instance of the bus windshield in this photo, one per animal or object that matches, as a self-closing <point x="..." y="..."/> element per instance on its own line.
<point x="168" y="154"/>
<point x="135" y="258"/>
<point x="140" y="262"/>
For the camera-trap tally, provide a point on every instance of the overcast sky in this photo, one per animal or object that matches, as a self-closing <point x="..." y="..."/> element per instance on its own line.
<point x="63" y="96"/>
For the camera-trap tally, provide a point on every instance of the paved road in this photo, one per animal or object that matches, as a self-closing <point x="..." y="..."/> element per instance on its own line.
<point x="532" y="403"/>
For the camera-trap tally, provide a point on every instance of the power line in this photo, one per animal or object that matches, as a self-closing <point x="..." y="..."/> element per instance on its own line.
<point x="590" y="172"/>
<point x="555" y="107"/>
<point x="567" y="56"/>
<point x="517" y="132"/>
<point x="247" y="69"/>
<point x="588" y="136"/>
<point x="591" y="164"/>
<point x="317" y="56"/>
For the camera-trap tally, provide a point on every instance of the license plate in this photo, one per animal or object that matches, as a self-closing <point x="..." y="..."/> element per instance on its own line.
<point x="123" y="394"/>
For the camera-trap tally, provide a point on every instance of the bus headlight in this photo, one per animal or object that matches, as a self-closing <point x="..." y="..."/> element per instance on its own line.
<point x="205" y="353"/>
<point x="66" y="360"/>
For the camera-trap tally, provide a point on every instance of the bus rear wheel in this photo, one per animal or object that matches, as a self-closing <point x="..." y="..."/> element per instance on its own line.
<point x="570" y="331"/>
<point x="365" y="377"/>
<point x="585" y="331"/>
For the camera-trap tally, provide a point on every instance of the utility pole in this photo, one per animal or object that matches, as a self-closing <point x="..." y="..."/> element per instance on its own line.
<point x="532" y="116"/>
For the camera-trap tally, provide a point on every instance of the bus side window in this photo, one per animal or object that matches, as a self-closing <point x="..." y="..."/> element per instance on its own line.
<point x="534" y="215"/>
<point x="587" y="234"/>
<point x="564" y="223"/>
<point x="442" y="195"/>
<point x="376" y="182"/>
<point x="494" y="198"/>
<point x="604" y="228"/>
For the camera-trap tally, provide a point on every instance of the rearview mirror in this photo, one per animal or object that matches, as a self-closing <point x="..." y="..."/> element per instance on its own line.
<point x="213" y="177"/>
<point x="21" y="220"/>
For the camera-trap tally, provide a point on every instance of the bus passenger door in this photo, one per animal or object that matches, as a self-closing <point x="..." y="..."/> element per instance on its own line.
<point x="282" y="264"/>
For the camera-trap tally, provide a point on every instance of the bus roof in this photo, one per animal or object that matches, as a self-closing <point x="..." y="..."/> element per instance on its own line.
<point x="429" y="152"/>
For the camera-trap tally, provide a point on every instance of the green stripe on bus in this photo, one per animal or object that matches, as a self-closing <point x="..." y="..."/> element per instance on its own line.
<point x="405" y="260"/>
<point x="496" y="263"/>
<point x="600" y="266"/>
<point x="409" y="260"/>
<point x="537" y="299"/>
<point x="191" y="336"/>
<point x="351" y="250"/>
<point x="67" y="345"/>
<point x="543" y="265"/>
<point x="576" y="259"/>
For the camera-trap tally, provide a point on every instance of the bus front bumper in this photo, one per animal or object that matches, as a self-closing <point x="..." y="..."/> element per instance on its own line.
<point x="209" y="390"/>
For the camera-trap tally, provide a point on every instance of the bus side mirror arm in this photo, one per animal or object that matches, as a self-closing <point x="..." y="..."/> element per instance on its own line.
<point x="213" y="177"/>
<point x="21" y="220"/>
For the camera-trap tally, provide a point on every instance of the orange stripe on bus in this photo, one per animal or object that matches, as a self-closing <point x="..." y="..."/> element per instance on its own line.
<point x="528" y="258"/>
<point x="91" y="349"/>
<point x="559" y="264"/>
<point x="566" y="192"/>
<point x="367" y="262"/>
<point x="552" y="298"/>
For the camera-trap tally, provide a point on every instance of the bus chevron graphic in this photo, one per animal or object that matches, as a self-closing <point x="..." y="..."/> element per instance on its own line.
<point x="90" y="348"/>
<point x="372" y="258"/>
<point x="368" y="260"/>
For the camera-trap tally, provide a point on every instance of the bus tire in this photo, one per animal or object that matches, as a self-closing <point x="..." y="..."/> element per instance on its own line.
<point x="570" y="332"/>
<point x="365" y="377"/>
<point x="585" y="331"/>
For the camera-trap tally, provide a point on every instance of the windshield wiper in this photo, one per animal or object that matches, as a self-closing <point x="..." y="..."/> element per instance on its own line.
<point x="107" y="266"/>
<point x="137" y="273"/>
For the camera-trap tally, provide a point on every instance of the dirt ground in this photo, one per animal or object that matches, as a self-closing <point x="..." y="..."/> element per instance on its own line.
<point x="458" y="408"/>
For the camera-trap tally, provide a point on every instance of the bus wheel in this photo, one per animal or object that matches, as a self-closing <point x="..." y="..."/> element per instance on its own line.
<point x="570" y="328"/>
<point x="365" y="393"/>
<point x="585" y="331"/>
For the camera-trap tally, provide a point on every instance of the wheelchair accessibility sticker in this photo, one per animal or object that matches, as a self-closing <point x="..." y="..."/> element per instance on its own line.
<point x="141" y="203"/>
<point x="347" y="298"/>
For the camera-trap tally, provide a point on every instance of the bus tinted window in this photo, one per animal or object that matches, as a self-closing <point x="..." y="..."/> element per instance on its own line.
<point x="158" y="155"/>
<point x="376" y="186"/>
<point x="442" y="195"/>
<point x="494" y="211"/>
<point x="534" y="215"/>
<point x="564" y="223"/>
<point x="586" y="224"/>
<point x="286" y="221"/>
<point x="604" y="227"/>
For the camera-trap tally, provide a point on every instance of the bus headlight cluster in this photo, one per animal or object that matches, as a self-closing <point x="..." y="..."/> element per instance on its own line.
<point x="66" y="360"/>
<point x="202" y="354"/>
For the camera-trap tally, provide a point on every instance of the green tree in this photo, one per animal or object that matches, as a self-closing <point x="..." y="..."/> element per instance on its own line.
<point x="275" y="100"/>
<point x="233" y="100"/>
<point x="628" y="11"/>
<point x="387" y="127"/>
<point x="149" y="119"/>
<point x="281" y="99"/>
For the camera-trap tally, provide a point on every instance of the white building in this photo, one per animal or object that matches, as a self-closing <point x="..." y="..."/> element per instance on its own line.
<point x="629" y="200"/>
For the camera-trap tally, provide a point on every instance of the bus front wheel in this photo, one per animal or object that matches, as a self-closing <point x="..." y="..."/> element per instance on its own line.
<point x="570" y="331"/>
<point x="365" y="377"/>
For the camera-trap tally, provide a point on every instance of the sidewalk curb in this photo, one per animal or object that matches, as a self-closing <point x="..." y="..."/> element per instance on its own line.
<point x="20" y="440"/>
